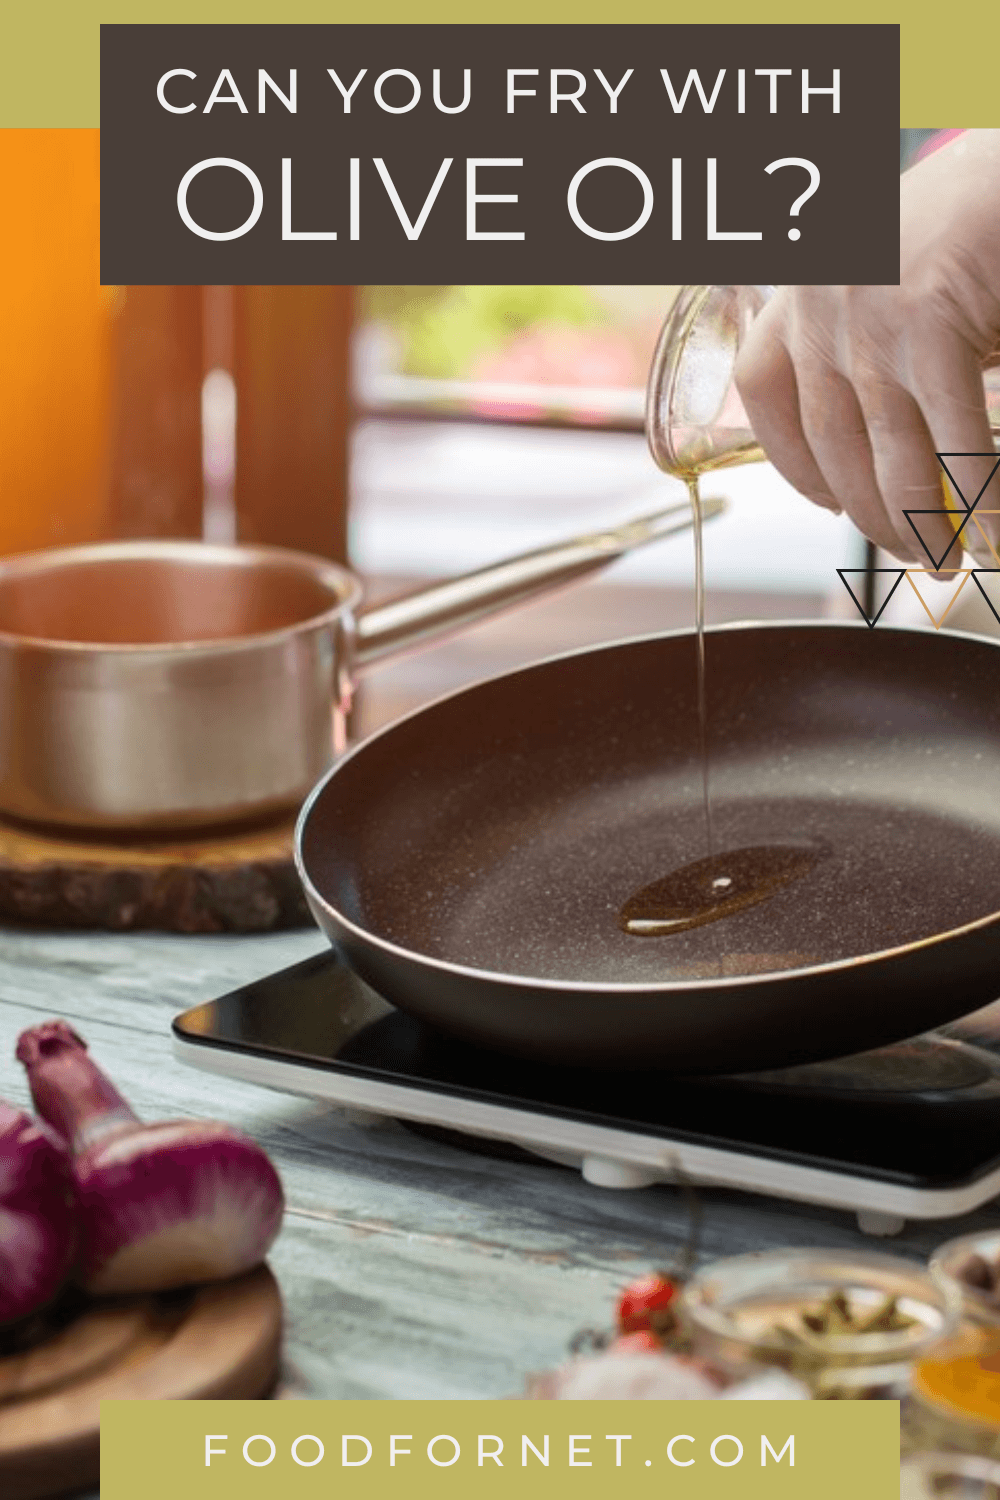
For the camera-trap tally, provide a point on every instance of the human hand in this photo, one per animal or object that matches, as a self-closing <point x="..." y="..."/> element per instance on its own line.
<point x="852" y="390"/>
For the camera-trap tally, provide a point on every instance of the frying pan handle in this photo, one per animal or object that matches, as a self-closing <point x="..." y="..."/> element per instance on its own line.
<point x="403" y="623"/>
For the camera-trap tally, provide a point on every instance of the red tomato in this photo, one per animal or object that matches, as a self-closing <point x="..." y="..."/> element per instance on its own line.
<point x="642" y="1300"/>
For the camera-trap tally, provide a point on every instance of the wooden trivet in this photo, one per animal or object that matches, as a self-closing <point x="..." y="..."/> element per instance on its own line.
<point x="235" y="882"/>
<point x="220" y="1342"/>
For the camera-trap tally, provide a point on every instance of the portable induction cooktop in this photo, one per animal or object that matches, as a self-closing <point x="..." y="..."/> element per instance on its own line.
<point x="908" y="1131"/>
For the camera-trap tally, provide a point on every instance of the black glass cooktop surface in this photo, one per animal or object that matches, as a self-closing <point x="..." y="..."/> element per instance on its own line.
<point x="924" y="1113"/>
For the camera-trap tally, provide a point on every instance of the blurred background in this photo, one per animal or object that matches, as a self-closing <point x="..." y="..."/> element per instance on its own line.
<point x="411" y="431"/>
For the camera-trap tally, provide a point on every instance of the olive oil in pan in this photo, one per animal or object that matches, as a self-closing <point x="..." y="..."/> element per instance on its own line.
<point x="721" y="884"/>
<point x="717" y="886"/>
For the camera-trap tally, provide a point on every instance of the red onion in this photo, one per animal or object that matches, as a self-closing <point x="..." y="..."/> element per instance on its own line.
<point x="37" y="1214"/>
<point x="160" y="1205"/>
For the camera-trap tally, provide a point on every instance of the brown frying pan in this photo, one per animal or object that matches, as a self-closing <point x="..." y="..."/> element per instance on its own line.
<point x="471" y="860"/>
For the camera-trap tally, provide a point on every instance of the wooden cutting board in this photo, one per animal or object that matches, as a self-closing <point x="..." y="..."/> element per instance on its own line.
<point x="237" y="882"/>
<point x="217" y="1342"/>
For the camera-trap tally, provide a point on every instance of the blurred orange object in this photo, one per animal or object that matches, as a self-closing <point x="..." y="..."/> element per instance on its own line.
<point x="55" y="361"/>
<point x="101" y="387"/>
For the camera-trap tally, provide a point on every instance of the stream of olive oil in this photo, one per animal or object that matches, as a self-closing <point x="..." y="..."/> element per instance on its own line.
<point x="722" y="882"/>
<point x="691" y="478"/>
<point x="694" y="495"/>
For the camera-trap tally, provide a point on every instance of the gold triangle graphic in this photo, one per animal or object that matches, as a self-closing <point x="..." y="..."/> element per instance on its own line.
<point x="975" y="521"/>
<point x="963" y="576"/>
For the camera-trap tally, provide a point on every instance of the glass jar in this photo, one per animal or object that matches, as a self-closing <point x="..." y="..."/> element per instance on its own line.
<point x="956" y="1262"/>
<point x="848" y="1324"/>
<point x="695" y="418"/>
<point x="954" y="1399"/>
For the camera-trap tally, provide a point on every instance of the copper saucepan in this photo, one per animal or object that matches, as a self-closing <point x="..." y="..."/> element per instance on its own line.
<point x="153" y="684"/>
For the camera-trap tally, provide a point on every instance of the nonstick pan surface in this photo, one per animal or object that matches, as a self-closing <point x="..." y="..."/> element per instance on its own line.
<point x="470" y="861"/>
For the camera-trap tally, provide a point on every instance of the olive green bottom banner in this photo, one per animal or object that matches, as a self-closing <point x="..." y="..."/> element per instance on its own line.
<point x="220" y="1450"/>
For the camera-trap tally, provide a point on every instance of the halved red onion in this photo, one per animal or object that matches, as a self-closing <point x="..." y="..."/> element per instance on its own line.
<point x="38" y="1231"/>
<point x="161" y="1206"/>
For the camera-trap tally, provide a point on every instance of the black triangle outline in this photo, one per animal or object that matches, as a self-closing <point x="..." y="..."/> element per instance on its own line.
<point x="989" y="601"/>
<point x="938" y="511"/>
<point x="991" y="454"/>
<point x="842" y="574"/>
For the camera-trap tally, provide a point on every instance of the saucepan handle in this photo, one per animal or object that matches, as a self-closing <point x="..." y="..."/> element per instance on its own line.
<point x="400" y="624"/>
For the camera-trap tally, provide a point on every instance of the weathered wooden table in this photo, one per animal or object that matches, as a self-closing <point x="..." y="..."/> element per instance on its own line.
<point x="409" y="1268"/>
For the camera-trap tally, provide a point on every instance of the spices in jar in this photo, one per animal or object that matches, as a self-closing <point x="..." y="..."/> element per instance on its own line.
<point x="848" y="1325"/>
<point x="954" y="1398"/>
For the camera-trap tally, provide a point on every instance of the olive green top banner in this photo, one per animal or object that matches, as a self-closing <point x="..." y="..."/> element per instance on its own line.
<point x="435" y="1450"/>
<point x="49" y="64"/>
